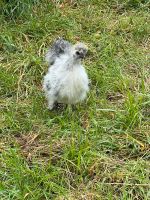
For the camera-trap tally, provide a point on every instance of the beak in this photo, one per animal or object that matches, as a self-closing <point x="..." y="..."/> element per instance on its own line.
<point x="82" y="55"/>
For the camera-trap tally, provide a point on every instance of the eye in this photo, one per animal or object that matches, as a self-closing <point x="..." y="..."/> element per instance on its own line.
<point x="77" y="52"/>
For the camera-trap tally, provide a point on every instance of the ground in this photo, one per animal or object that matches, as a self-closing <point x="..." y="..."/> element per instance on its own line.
<point x="96" y="150"/>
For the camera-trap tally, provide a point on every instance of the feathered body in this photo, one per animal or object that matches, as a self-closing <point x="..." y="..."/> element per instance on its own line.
<point x="67" y="81"/>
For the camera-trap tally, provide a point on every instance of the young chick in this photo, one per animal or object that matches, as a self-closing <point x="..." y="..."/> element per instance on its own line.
<point x="67" y="81"/>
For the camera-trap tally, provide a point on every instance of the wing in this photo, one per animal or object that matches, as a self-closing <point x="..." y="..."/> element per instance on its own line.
<point x="60" y="46"/>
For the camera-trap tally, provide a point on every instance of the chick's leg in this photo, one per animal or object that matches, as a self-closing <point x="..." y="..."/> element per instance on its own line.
<point x="51" y="100"/>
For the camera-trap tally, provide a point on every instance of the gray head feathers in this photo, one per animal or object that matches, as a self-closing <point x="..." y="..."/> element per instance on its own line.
<point x="80" y="50"/>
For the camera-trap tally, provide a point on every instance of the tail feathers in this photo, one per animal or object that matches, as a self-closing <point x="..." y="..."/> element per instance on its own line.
<point x="60" y="46"/>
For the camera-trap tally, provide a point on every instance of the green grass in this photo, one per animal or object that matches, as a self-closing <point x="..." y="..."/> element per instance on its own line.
<point x="101" y="148"/>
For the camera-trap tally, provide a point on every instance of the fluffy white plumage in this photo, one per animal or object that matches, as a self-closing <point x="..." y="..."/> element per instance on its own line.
<point x="66" y="81"/>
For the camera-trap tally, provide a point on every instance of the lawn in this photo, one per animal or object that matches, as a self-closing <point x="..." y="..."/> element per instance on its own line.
<point x="99" y="149"/>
